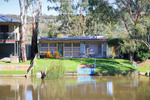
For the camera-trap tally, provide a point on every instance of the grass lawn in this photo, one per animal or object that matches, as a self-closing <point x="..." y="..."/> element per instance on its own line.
<point x="9" y="63"/>
<point x="12" y="72"/>
<point x="102" y="64"/>
<point x="71" y="64"/>
<point x="144" y="68"/>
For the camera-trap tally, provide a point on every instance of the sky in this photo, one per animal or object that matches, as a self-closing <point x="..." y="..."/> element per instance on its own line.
<point x="12" y="7"/>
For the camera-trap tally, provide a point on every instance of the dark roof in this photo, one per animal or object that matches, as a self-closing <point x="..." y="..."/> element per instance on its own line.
<point x="82" y="38"/>
<point x="4" y="18"/>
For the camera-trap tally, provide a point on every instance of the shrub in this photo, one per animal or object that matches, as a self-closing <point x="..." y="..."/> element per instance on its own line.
<point x="142" y="53"/>
<point x="55" y="71"/>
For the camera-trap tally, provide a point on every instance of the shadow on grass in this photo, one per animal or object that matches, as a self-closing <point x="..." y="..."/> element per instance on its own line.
<point x="114" y="70"/>
<point x="108" y="66"/>
<point x="107" y="61"/>
<point x="7" y="61"/>
<point x="126" y="62"/>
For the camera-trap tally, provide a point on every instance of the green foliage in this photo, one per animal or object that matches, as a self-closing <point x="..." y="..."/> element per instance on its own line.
<point x="135" y="16"/>
<point x="129" y="47"/>
<point x="115" y="42"/>
<point x="102" y="11"/>
<point x="52" y="29"/>
<point x="142" y="53"/>
<point x="65" y="9"/>
<point x="55" y="71"/>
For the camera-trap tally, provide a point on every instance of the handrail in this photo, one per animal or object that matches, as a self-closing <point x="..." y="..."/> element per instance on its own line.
<point x="8" y="35"/>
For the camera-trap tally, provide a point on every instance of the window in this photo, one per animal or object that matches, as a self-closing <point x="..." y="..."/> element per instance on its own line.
<point x="4" y="28"/>
<point x="44" y="45"/>
<point x="76" y="44"/>
<point x="67" y="44"/>
<point x="52" y="44"/>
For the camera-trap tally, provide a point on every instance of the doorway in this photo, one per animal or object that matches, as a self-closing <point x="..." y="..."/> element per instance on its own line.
<point x="60" y="49"/>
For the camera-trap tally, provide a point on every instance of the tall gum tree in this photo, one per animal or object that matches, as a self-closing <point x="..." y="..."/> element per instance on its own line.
<point x="36" y="11"/>
<point x="23" y="4"/>
<point x="135" y="15"/>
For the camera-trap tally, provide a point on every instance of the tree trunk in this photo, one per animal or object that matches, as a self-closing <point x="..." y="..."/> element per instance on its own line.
<point x="34" y="49"/>
<point x="23" y="30"/>
<point x="35" y="24"/>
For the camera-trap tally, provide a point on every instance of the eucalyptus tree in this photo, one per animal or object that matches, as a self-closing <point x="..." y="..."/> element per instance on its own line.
<point x="79" y="21"/>
<point x="64" y="7"/>
<point x="102" y="17"/>
<point x="135" y="15"/>
<point x="24" y="5"/>
<point x="73" y="16"/>
<point x="36" y="12"/>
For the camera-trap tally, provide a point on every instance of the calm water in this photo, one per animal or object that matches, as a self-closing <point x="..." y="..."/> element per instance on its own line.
<point x="79" y="88"/>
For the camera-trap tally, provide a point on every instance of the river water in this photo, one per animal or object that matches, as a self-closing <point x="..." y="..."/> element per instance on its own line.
<point x="76" y="88"/>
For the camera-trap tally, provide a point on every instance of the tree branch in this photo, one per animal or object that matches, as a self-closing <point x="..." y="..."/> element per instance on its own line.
<point x="126" y="26"/>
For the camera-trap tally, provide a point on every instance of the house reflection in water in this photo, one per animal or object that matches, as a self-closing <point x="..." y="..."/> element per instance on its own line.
<point x="80" y="88"/>
<point x="13" y="89"/>
<point x="110" y="88"/>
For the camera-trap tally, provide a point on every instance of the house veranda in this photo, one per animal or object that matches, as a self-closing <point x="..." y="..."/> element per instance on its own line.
<point x="75" y="47"/>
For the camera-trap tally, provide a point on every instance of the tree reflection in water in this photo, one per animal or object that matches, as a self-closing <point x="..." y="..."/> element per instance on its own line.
<point x="79" y="88"/>
<point x="52" y="89"/>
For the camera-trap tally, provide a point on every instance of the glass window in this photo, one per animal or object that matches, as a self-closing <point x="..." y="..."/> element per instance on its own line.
<point x="52" y="44"/>
<point x="44" y="45"/>
<point x="76" y="44"/>
<point x="67" y="44"/>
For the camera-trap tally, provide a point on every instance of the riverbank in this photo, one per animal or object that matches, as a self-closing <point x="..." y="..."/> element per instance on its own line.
<point x="144" y="66"/>
<point x="103" y="66"/>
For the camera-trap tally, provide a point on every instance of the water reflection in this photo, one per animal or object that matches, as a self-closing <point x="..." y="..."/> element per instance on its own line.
<point x="53" y="89"/>
<point x="80" y="88"/>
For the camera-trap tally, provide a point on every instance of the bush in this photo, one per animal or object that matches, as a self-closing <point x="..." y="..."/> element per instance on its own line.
<point x="142" y="53"/>
<point x="55" y="71"/>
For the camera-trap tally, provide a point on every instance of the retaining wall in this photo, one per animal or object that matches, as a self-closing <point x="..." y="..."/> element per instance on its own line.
<point x="14" y="67"/>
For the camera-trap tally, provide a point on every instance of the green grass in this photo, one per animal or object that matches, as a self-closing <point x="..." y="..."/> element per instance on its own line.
<point x="102" y="64"/>
<point x="113" y="65"/>
<point x="9" y="63"/>
<point x="12" y="72"/>
<point x="71" y="64"/>
<point x="68" y="64"/>
<point x="144" y="68"/>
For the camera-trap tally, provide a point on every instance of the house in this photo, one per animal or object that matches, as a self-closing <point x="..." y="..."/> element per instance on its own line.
<point x="9" y="36"/>
<point x="75" y="47"/>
